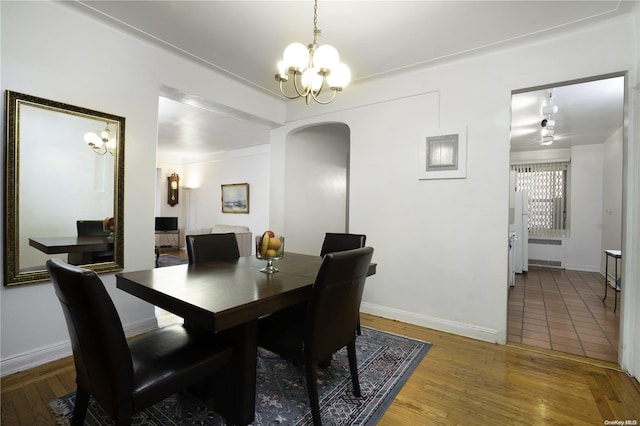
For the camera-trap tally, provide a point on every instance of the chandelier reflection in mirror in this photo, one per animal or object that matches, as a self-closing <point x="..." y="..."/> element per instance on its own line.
<point x="313" y="69"/>
<point x="103" y="143"/>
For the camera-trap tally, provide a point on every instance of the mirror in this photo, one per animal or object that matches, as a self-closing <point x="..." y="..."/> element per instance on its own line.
<point x="59" y="182"/>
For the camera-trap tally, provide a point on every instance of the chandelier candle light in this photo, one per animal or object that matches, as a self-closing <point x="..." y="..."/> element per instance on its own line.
<point x="103" y="143"/>
<point x="313" y="68"/>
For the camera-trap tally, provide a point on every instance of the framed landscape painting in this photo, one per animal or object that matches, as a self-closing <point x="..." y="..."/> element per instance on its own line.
<point x="235" y="198"/>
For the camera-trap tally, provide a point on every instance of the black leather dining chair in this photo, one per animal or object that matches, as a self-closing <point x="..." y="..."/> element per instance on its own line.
<point x="311" y="333"/>
<point x="208" y="247"/>
<point x="334" y="241"/>
<point x="123" y="376"/>
<point x="91" y="228"/>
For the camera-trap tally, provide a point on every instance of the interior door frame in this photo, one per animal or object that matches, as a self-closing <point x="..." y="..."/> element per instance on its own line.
<point x="625" y="243"/>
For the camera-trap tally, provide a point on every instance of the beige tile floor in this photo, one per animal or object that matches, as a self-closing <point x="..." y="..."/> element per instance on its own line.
<point x="563" y="311"/>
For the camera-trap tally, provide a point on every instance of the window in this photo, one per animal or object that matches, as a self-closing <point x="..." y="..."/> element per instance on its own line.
<point x="546" y="184"/>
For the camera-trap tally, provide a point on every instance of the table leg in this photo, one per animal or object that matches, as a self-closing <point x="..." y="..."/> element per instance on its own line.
<point x="606" y="275"/>
<point x="615" y="288"/>
<point x="235" y="399"/>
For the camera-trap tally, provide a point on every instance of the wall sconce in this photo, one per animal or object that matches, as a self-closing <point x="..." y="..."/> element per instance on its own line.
<point x="172" y="193"/>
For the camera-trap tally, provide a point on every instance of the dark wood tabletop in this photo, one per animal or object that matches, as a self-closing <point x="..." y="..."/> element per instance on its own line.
<point x="220" y="295"/>
<point x="55" y="245"/>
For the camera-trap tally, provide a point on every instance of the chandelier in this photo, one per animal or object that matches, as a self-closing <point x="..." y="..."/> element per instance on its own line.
<point x="103" y="143"/>
<point x="313" y="68"/>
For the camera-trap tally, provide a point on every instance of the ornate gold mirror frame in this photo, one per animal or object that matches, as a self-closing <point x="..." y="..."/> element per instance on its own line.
<point x="48" y="189"/>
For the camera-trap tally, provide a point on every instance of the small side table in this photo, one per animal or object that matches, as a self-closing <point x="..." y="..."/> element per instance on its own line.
<point x="162" y="248"/>
<point x="616" y="254"/>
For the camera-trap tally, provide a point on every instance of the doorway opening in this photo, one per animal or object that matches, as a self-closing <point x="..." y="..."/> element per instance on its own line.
<point x="317" y="185"/>
<point x="558" y="237"/>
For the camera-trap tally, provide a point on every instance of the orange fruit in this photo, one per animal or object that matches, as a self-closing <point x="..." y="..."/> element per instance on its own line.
<point x="275" y="243"/>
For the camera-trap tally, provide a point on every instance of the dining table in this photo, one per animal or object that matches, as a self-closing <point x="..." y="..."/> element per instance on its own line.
<point x="55" y="245"/>
<point x="228" y="297"/>
<point x="75" y="246"/>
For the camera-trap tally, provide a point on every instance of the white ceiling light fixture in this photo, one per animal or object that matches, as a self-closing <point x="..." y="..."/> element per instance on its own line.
<point x="546" y="140"/>
<point x="313" y="68"/>
<point x="547" y="123"/>
<point x="103" y="143"/>
<point x="550" y="108"/>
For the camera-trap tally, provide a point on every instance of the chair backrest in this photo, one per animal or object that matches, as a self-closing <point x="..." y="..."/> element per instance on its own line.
<point x="207" y="247"/>
<point x="100" y="351"/>
<point x="334" y="306"/>
<point x="91" y="228"/>
<point x="334" y="242"/>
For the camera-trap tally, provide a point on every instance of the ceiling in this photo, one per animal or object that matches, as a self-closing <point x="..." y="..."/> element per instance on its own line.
<point x="588" y="113"/>
<point x="245" y="40"/>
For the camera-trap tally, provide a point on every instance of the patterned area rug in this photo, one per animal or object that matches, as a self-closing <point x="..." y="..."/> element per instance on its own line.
<point x="385" y="362"/>
<point x="170" y="260"/>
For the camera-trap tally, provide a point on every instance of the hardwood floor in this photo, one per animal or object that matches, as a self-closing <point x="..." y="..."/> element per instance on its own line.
<point x="468" y="382"/>
<point x="460" y="381"/>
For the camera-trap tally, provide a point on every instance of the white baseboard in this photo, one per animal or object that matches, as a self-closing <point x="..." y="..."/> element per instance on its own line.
<point x="34" y="358"/>
<point x="63" y="349"/>
<point x="59" y="350"/>
<point x="583" y="268"/>
<point x="461" y="329"/>
<point x="141" y="327"/>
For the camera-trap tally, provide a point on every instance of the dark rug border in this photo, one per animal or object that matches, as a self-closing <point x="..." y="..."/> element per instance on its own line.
<point x="404" y="377"/>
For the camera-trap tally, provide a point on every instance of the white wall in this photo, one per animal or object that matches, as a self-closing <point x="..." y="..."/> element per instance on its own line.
<point x="630" y="303"/>
<point x="52" y="51"/>
<point x="250" y="165"/>
<point x="611" y="196"/>
<point x="316" y="188"/>
<point x="441" y="246"/>
<point x="582" y="249"/>
<point x="442" y="251"/>
<point x="423" y="231"/>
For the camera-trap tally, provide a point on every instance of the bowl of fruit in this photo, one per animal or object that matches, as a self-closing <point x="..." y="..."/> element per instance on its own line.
<point x="269" y="247"/>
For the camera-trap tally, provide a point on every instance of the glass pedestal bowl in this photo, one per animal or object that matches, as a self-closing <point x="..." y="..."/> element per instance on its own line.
<point x="274" y="250"/>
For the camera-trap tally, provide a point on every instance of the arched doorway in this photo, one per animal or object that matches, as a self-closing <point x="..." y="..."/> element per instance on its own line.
<point x="317" y="185"/>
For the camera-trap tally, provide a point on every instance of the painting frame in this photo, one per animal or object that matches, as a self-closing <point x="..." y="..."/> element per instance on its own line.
<point x="234" y="198"/>
<point x="443" y="153"/>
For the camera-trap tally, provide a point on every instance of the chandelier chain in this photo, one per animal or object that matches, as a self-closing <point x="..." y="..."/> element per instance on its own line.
<point x="316" y="31"/>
